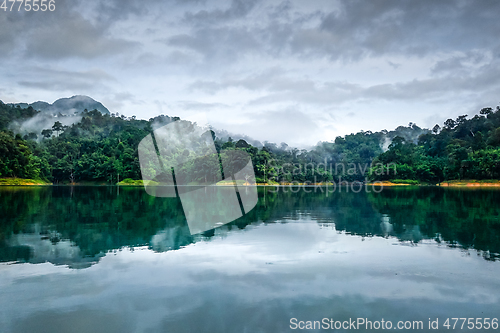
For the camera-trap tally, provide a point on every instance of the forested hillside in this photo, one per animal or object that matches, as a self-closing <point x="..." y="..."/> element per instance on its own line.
<point x="462" y="149"/>
<point x="103" y="147"/>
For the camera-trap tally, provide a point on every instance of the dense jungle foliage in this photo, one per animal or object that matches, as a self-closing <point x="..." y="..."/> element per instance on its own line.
<point x="104" y="148"/>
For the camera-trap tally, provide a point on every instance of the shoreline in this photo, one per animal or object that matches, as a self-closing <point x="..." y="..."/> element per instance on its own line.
<point x="23" y="182"/>
<point x="472" y="183"/>
<point x="469" y="184"/>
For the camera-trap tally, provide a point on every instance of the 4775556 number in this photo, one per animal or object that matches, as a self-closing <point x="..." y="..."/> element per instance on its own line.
<point x="28" y="5"/>
<point x="471" y="323"/>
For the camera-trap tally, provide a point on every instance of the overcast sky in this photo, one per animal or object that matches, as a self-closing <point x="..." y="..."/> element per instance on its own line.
<point x="292" y="71"/>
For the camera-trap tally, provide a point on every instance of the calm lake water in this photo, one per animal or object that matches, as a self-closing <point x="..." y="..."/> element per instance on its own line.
<point x="108" y="259"/>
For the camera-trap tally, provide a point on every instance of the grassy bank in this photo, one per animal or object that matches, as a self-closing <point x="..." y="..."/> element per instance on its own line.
<point x="472" y="183"/>
<point x="455" y="183"/>
<point x="135" y="182"/>
<point x="131" y="182"/>
<point x="231" y="183"/>
<point x="397" y="182"/>
<point x="20" y="181"/>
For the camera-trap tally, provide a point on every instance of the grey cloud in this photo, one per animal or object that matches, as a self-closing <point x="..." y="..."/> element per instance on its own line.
<point x="480" y="81"/>
<point x="237" y="9"/>
<point x="393" y="65"/>
<point x="281" y="11"/>
<point x="228" y="43"/>
<point x="76" y="37"/>
<point x="351" y="32"/>
<point x="273" y="79"/>
<point x="62" y="80"/>
<point x="411" y="27"/>
<point x="56" y="85"/>
<point x="281" y="88"/>
<point x="59" y="34"/>
<point x="114" y="10"/>
<point x="460" y="63"/>
<point x="11" y="30"/>
<point x="348" y="30"/>
<point x="327" y="94"/>
<point x="223" y="45"/>
<point x="180" y="62"/>
<point x="452" y="64"/>
<point x="93" y="74"/>
<point x="124" y="96"/>
<point x="277" y="124"/>
<point x="193" y="105"/>
<point x="115" y="102"/>
<point x="180" y="58"/>
<point x="210" y="87"/>
<point x="218" y="44"/>
<point x="119" y="10"/>
<point x="259" y="81"/>
<point x="111" y="11"/>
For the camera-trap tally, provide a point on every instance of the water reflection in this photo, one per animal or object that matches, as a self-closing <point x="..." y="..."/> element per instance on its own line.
<point x="76" y="226"/>
<point x="403" y="254"/>
<point x="251" y="281"/>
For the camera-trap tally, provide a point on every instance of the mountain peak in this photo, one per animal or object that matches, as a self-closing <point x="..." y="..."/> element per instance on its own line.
<point x="78" y="103"/>
<point x="68" y="106"/>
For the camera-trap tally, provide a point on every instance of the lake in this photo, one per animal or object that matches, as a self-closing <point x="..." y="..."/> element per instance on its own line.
<point x="109" y="259"/>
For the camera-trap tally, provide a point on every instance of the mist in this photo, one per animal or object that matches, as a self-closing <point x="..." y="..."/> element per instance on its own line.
<point x="42" y="121"/>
